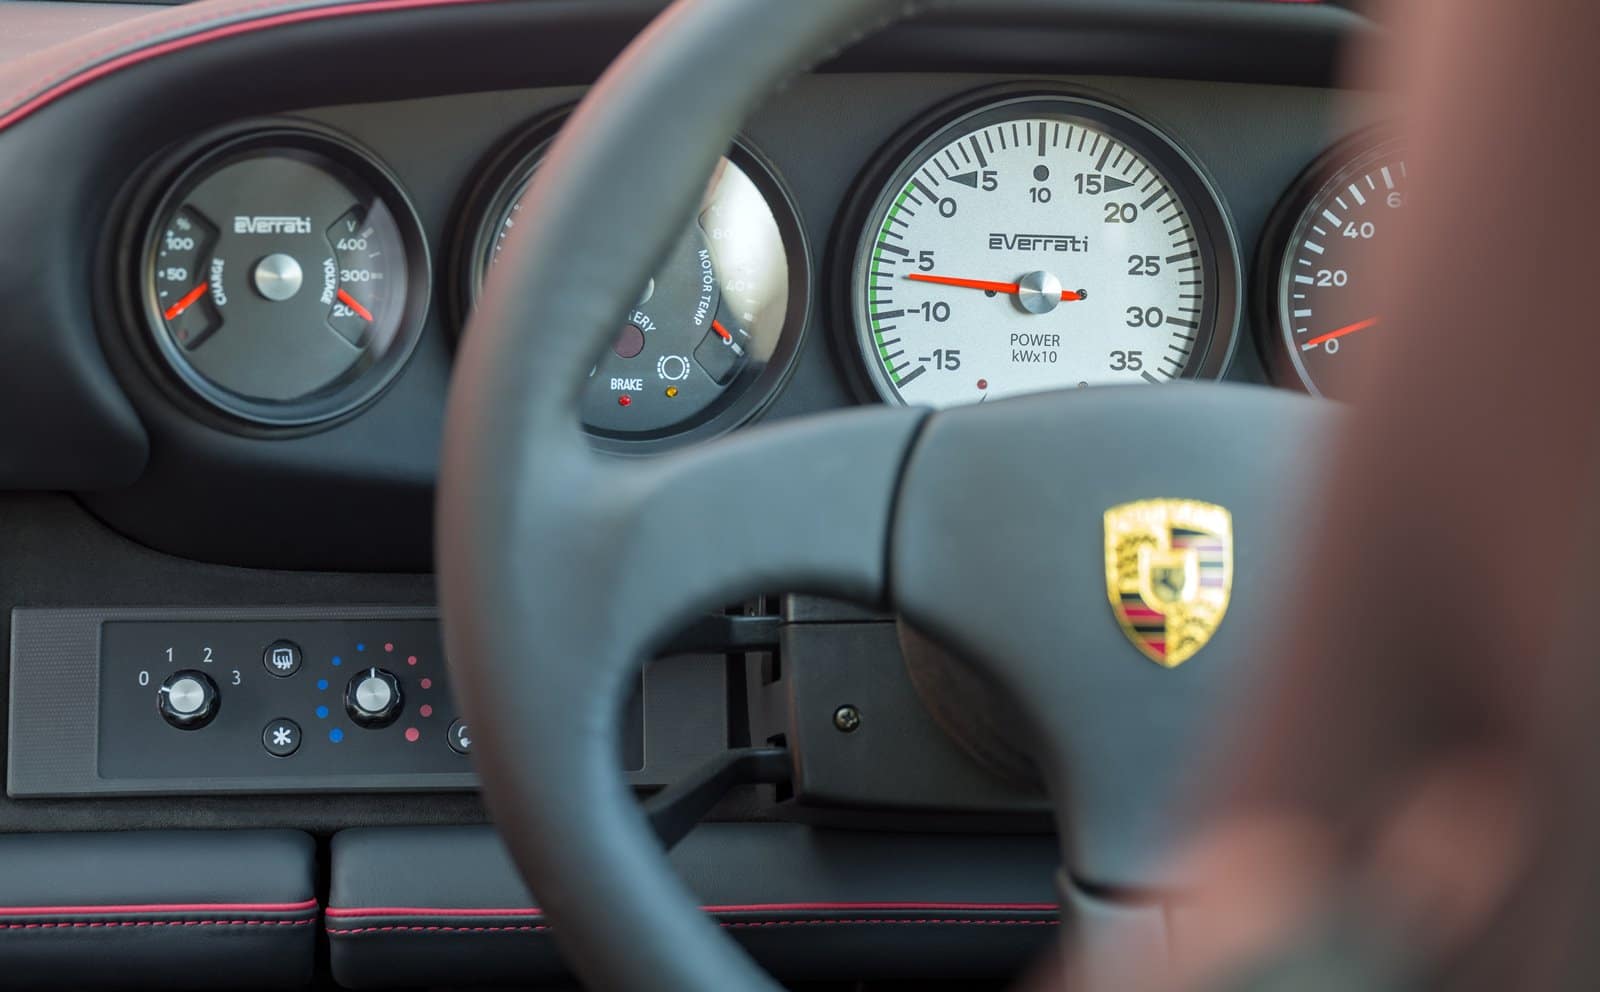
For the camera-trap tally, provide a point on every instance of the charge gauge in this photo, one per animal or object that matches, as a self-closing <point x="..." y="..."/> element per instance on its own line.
<point x="284" y="276"/>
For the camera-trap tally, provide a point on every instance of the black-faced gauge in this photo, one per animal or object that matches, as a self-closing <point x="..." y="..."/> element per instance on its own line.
<point x="1031" y="241"/>
<point x="711" y="337"/>
<point x="1324" y="249"/>
<point x="284" y="276"/>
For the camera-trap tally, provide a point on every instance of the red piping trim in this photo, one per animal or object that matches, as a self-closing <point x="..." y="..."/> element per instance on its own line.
<point x="888" y="907"/>
<point x="334" y="912"/>
<point x="726" y="926"/>
<point x="109" y="924"/>
<point x="83" y="77"/>
<point x="56" y="91"/>
<point x="169" y="908"/>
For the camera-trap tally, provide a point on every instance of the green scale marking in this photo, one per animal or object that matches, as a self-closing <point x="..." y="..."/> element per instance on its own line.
<point x="872" y="289"/>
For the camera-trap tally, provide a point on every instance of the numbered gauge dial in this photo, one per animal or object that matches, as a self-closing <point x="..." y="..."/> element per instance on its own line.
<point x="1037" y="243"/>
<point x="1332" y="230"/>
<point x="285" y="277"/>
<point x="711" y="336"/>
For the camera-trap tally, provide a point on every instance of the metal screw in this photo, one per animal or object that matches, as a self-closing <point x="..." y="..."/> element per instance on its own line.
<point x="846" y="719"/>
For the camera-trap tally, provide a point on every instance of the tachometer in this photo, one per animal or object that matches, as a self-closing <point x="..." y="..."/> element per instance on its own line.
<point x="1041" y="242"/>
<point x="1327" y="246"/>
<point x="285" y="277"/>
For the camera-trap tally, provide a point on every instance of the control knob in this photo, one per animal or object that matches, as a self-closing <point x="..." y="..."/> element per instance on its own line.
<point x="373" y="698"/>
<point x="188" y="699"/>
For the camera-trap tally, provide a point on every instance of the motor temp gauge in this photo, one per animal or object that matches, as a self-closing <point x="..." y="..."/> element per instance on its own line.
<point x="1327" y="243"/>
<point x="1039" y="241"/>
<point x="707" y="340"/>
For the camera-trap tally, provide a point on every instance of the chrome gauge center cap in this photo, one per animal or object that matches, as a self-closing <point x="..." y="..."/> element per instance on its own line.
<point x="278" y="277"/>
<point x="1039" y="292"/>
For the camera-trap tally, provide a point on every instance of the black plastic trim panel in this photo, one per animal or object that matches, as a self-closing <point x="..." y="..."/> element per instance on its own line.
<point x="54" y="749"/>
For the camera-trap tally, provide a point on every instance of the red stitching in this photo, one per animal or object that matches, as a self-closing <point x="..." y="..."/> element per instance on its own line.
<point x="420" y="929"/>
<point x="344" y="932"/>
<point x="165" y="908"/>
<point x="763" y="908"/>
<point x="82" y="924"/>
<point x="965" y="923"/>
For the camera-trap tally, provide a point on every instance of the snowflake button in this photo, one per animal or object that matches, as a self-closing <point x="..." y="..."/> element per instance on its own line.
<point x="281" y="737"/>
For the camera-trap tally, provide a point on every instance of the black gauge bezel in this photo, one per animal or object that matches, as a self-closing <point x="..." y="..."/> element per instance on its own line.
<point x="503" y="178"/>
<point x="170" y="184"/>
<point x="1274" y="330"/>
<point x="1210" y="359"/>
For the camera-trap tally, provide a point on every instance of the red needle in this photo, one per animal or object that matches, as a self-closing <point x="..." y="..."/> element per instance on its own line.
<point x="188" y="301"/>
<point x="1359" y="325"/>
<point x="1009" y="288"/>
<point x="356" y="308"/>
<point x="722" y="332"/>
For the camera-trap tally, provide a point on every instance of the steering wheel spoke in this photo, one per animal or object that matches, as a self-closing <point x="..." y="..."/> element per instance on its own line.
<point x="1000" y="554"/>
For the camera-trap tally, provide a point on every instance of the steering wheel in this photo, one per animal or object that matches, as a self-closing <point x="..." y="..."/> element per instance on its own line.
<point x="563" y="569"/>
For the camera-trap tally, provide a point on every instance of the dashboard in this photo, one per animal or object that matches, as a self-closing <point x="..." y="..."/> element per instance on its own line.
<point x="233" y="331"/>
<point x="280" y="295"/>
<point x="248" y="257"/>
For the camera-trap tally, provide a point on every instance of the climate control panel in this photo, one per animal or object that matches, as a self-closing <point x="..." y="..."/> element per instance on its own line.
<point x="269" y="698"/>
<point x="256" y="701"/>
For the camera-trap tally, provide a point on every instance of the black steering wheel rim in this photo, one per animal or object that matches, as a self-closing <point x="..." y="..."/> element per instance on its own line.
<point x="561" y="570"/>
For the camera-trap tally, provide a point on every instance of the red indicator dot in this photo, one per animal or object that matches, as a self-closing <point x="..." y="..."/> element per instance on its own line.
<point x="426" y="710"/>
<point x="389" y="648"/>
<point x="427" y="683"/>
<point x="624" y="400"/>
<point x="983" y="383"/>
<point x="413" y="734"/>
<point x="412" y="661"/>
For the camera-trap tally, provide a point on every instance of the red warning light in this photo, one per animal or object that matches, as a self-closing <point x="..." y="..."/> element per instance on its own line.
<point x="624" y="400"/>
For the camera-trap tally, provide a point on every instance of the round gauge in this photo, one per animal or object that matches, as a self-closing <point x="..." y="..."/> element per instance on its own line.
<point x="1327" y="251"/>
<point x="1039" y="242"/>
<point x="710" y="337"/>
<point x="284" y="277"/>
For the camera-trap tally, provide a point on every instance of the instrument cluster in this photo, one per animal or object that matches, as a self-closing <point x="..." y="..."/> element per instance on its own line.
<point x="1015" y="239"/>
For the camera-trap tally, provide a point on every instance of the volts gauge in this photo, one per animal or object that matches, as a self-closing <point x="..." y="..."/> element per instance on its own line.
<point x="284" y="276"/>
<point x="1036" y="242"/>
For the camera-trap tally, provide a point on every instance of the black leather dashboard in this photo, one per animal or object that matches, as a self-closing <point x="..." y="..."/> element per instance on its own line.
<point x="887" y="905"/>
<point x="84" y="119"/>
<point x="170" y="909"/>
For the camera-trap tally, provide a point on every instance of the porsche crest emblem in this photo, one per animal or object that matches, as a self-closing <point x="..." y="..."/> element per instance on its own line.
<point x="1169" y="573"/>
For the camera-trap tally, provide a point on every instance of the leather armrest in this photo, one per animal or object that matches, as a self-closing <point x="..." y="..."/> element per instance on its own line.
<point x="445" y="906"/>
<point x="162" y="909"/>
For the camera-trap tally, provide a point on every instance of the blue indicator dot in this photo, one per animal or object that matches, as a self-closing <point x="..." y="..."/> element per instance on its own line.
<point x="322" y="712"/>
<point x="336" y="735"/>
<point x="337" y="661"/>
<point x="322" y="684"/>
<point x="361" y="647"/>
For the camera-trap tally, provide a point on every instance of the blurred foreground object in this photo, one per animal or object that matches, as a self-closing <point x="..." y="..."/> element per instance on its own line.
<point x="1413" y="802"/>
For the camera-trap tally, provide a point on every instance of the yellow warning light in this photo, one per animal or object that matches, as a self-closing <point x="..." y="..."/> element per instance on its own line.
<point x="672" y="392"/>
